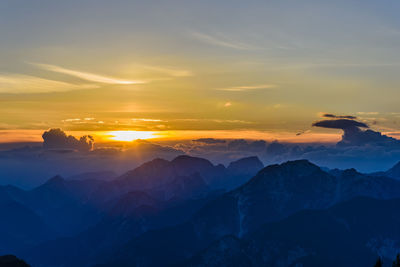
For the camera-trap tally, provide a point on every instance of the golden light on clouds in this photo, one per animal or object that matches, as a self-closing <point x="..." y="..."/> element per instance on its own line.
<point x="88" y="76"/>
<point x="248" y="87"/>
<point x="19" y="84"/>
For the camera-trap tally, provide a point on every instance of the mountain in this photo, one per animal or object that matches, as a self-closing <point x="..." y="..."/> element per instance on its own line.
<point x="275" y="193"/>
<point x="184" y="175"/>
<point x="159" y="172"/>
<point x="353" y="233"/>
<point x="15" y="232"/>
<point x="12" y="261"/>
<point x="64" y="204"/>
<point x="180" y="212"/>
<point x="68" y="207"/>
<point x="99" y="175"/>
<point x="243" y="169"/>
<point x="132" y="215"/>
<point x="61" y="204"/>
<point x="394" y="172"/>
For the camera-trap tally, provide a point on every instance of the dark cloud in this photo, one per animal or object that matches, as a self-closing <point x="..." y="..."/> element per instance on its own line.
<point x="340" y="124"/>
<point x="244" y="145"/>
<point x="333" y="116"/>
<point x="354" y="136"/>
<point x="56" y="139"/>
<point x="210" y="141"/>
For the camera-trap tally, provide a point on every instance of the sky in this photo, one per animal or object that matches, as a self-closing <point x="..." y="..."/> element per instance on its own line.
<point x="248" y="69"/>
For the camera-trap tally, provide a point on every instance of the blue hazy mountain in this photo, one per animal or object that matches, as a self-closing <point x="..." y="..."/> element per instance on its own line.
<point x="393" y="172"/>
<point x="188" y="211"/>
<point x="82" y="211"/>
<point x="274" y="193"/>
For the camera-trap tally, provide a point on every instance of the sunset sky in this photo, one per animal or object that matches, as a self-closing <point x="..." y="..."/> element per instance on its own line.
<point x="248" y="69"/>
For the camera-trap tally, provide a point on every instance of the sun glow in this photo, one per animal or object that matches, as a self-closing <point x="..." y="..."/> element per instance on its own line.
<point x="128" y="136"/>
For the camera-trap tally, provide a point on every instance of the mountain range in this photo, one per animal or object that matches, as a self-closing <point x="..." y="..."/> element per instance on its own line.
<point x="190" y="212"/>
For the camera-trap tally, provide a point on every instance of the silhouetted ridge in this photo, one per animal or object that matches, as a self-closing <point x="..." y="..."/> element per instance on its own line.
<point x="55" y="180"/>
<point x="350" y="172"/>
<point x="12" y="261"/>
<point x="186" y="162"/>
<point x="394" y="171"/>
<point x="146" y="169"/>
<point x="295" y="168"/>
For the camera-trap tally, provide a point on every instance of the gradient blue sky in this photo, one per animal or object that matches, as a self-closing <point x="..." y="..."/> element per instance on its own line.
<point x="268" y="67"/>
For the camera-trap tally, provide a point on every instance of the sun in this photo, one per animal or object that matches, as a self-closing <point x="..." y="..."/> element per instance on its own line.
<point x="128" y="136"/>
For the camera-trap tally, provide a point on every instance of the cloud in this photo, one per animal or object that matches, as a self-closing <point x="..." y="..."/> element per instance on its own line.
<point x="368" y="113"/>
<point x="248" y="87"/>
<point x="169" y="71"/>
<point x="222" y="41"/>
<point x="87" y="76"/>
<point x="146" y="120"/>
<point x="56" y="139"/>
<point x="340" y="124"/>
<point x="71" y="120"/>
<point x="244" y="145"/>
<point x="210" y="141"/>
<point x="328" y="115"/>
<point x="25" y="84"/>
<point x="302" y="132"/>
<point x="354" y="136"/>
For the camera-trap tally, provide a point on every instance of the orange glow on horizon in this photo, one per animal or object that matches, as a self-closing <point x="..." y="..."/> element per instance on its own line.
<point x="10" y="136"/>
<point x="129" y="136"/>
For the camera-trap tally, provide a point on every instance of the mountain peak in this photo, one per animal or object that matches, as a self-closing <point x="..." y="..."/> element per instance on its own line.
<point x="291" y="168"/>
<point x="394" y="171"/>
<point x="301" y="164"/>
<point x="248" y="165"/>
<point x="55" y="180"/>
<point x="191" y="162"/>
<point x="186" y="158"/>
<point x="350" y="172"/>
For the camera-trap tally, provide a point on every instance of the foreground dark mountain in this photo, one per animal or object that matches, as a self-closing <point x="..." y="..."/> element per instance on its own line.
<point x="352" y="233"/>
<point x="273" y="194"/>
<point x="12" y="261"/>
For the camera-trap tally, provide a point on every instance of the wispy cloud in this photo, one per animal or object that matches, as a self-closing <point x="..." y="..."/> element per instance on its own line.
<point x="248" y="87"/>
<point x="19" y="84"/>
<point x="223" y="41"/>
<point x="146" y="120"/>
<point x="368" y="113"/>
<point x="87" y="76"/>
<point x="169" y="71"/>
